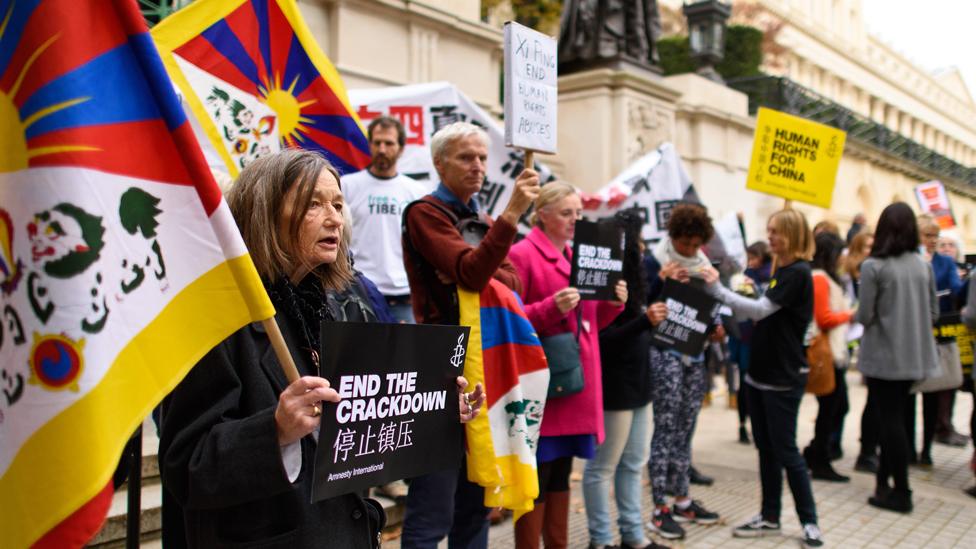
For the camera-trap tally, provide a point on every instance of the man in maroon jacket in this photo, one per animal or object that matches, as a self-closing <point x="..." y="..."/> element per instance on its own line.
<point x="437" y="259"/>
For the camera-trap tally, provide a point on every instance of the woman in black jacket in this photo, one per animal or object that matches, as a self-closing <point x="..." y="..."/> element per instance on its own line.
<point x="624" y="353"/>
<point x="238" y="441"/>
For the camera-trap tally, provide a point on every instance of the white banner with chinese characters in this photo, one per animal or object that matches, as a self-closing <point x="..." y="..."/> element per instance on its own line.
<point x="654" y="183"/>
<point x="425" y="108"/>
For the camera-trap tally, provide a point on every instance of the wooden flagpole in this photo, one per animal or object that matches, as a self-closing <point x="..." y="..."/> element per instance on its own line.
<point x="281" y="350"/>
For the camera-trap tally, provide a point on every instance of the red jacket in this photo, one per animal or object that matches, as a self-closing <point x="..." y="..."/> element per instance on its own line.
<point x="544" y="271"/>
<point x="434" y="236"/>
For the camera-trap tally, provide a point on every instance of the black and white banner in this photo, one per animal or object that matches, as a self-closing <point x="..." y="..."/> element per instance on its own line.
<point x="398" y="417"/>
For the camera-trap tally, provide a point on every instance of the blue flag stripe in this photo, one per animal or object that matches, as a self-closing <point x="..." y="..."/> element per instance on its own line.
<point x="501" y="326"/>
<point x="223" y="39"/>
<point x="115" y="88"/>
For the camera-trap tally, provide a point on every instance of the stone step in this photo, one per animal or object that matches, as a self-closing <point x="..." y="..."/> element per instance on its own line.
<point x="112" y="535"/>
<point x="150" y="521"/>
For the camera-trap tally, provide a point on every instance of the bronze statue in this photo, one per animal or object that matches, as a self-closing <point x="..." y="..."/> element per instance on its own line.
<point x="606" y="32"/>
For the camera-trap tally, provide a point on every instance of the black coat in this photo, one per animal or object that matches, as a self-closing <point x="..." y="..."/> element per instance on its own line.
<point x="219" y="455"/>
<point x="624" y="355"/>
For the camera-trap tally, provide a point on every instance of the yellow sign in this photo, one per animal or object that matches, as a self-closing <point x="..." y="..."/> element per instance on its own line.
<point x="795" y="158"/>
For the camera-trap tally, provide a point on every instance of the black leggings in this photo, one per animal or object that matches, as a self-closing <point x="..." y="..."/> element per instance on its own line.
<point x="830" y="418"/>
<point x="554" y="476"/>
<point x="890" y="399"/>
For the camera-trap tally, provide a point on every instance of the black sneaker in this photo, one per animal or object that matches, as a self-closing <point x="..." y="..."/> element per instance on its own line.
<point x="663" y="524"/>
<point x="812" y="537"/>
<point x="971" y="491"/>
<point x="756" y="527"/>
<point x="695" y="513"/>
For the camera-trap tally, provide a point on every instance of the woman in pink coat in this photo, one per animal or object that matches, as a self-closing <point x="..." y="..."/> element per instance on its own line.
<point x="571" y="425"/>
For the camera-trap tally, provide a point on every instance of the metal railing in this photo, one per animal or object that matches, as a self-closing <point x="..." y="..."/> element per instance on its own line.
<point x="783" y="94"/>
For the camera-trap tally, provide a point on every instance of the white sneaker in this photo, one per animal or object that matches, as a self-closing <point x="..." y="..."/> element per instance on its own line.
<point x="812" y="536"/>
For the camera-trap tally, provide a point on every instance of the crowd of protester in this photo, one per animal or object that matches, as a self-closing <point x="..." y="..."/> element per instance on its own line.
<point x="238" y="439"/>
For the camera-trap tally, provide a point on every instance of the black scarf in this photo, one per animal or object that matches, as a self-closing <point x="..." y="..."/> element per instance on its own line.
<point x="306" y="303"/>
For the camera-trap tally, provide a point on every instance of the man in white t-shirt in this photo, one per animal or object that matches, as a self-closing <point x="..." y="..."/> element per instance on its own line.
<point x="376" y="198"/>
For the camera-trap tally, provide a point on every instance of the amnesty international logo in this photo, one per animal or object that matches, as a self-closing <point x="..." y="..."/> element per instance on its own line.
<point x="458" y="358"/>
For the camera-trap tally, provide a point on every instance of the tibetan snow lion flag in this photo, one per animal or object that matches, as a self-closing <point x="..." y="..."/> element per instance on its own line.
<point x="116" y="248"/>
<point x="255" y="79"/>
<point x="505" y="355"/>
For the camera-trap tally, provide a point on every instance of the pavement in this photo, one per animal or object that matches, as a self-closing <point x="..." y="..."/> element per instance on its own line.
<point x="944" y="515"/>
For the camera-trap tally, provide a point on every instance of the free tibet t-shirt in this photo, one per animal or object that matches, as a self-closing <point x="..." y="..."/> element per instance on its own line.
<point x="778" y="356"/>
<point x="376" y="206"/>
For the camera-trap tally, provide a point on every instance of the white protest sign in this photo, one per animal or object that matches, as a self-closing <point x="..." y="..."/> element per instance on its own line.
<point x="530" y="89"/>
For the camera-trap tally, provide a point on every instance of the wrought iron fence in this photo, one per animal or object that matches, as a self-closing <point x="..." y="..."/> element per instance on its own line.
<point x="155" y="11"/>
<point x="785" y="95"/>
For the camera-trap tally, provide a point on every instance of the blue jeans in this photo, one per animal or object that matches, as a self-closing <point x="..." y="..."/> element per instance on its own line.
<point x="622" y="455"/>
<point x="442" y="504"/>
<point x="773" y="416"/>
<point x="403" y="312"/>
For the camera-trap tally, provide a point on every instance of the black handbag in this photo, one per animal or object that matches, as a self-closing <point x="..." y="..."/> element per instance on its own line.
<point x="565" y="368"/>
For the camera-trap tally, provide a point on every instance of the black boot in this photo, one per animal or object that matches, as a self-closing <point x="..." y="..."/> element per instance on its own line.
<point x="744" y="435"/>
<point x="895" y="500"/>
<point x="826" y="472"/>
<point x="866" y="464"/>
<point x="695" y="477"/>
<point x="820" y="468"/>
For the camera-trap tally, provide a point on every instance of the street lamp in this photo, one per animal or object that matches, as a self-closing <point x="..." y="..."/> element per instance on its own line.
<point x="706" y="35"/>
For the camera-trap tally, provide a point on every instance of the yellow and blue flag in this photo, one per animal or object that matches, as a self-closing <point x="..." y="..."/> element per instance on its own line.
<point x="116" y="249"/>
<point x="256" y="80"/>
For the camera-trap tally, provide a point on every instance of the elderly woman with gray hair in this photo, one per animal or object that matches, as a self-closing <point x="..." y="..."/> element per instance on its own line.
<point x="238" y="439"/>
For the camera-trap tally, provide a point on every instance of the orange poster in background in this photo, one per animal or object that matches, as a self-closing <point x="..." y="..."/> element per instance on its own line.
<point x="933" y="200"/>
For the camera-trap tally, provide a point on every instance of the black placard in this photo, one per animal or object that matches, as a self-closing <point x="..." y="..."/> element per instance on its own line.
<point x="598" y="259"/>
<point x="691" y="314"/>
<point x="398" y="417"/>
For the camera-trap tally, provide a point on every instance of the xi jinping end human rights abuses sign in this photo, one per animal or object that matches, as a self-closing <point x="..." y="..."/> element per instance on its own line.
<point x="398" y="417"/>
<point x="795" y="158"/>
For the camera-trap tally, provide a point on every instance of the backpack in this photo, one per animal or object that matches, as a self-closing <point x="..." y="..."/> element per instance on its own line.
<point x="472" y="230"/>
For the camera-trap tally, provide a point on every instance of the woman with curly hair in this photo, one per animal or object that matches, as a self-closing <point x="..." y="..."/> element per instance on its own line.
<point x="678" y="381"/>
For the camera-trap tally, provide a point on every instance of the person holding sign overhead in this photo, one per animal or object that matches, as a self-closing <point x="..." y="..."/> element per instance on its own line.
<point x="571" y="425"/>
<point x="438" y="259"/>
<point x="777" y="373"/>
<point x="678" y="381"/>
<point x="238" y="439"/>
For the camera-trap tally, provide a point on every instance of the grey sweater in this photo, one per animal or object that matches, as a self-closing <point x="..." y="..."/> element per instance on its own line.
<point x="898" y="308"/>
